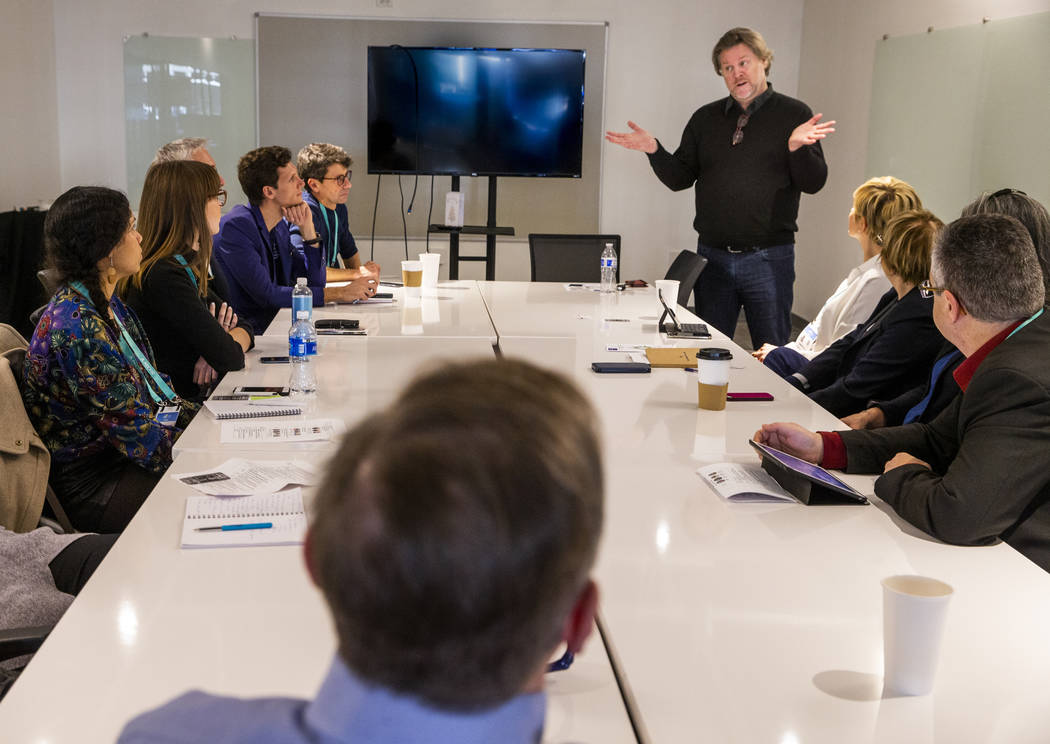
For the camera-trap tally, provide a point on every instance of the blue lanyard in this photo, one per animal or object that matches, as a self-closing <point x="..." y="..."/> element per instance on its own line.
<point x="333" y="234"/>
<point x="179" y="257"/>
<point x="1015" y="330"/>
<point x="132" y="352"/>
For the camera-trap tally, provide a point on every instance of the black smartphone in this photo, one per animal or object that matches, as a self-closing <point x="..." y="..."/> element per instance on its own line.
<point x="749" y="396"/>
<point x="383" y="295"/>
<point x="620" y="367"/>
<point x="337" y="324"/>
<point x="274" y="360"/>
<point x="260" y="390"/>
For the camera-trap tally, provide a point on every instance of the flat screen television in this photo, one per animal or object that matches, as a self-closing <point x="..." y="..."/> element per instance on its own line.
<point x="475" y="112"/>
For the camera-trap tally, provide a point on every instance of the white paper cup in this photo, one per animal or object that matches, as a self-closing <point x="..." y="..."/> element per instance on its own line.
<point x="913" y="613"/>
<point x="431" y="266"/>
<point x="668" y="289"/>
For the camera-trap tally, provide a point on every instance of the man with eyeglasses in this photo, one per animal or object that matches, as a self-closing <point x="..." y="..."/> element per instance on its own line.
<point x="750" y="156"/>
<point x="454" y="569"/>
<point x="325" y="169"/>
<point x="254" y="248"/>
<point x="977" y="473"/>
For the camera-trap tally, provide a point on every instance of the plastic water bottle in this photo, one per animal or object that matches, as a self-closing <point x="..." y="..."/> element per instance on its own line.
<point x="302" y="344"/>
<point x="302" y="299"/>
<point x="609" y="262"/>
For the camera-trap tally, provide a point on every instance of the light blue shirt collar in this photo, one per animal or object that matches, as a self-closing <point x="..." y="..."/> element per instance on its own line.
<point x="348" y="708"/>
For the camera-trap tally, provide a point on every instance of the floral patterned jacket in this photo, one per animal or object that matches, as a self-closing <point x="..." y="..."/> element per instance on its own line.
<point x="84" y="395"/>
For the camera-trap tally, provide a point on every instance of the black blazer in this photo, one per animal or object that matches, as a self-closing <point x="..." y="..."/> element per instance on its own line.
<point x="883" y="357"/>
<point x="988" y="479"/>
<point x="944" y="391"/>
<point x="181" y="329"/>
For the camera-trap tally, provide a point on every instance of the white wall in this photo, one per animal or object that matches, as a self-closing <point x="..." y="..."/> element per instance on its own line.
<point x="658" y="73"/>
<point x="838" y="56"/>
<point x="29" y="122"/>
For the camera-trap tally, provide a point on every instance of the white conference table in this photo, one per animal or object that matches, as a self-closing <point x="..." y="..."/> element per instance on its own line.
<point x="762" y="622"/>
<point x="726" y="622"/>
<point x="155" y="621"/>
<point x="453" y="309"/>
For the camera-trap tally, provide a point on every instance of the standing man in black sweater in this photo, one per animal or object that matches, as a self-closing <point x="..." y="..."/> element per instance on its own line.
<point x="750" y="156"/>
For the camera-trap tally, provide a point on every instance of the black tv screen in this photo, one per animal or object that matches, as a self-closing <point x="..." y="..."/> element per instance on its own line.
<point x="475" y="112"/>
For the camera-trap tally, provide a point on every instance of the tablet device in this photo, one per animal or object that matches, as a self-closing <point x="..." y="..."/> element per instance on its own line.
<point x="809" y="483"/>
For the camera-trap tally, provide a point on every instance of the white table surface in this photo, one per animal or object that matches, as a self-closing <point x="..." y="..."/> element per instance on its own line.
<point x="549" y="310"/>
<point x="453" y="309"/>
<point x="762" y="622"/>
<point x="356" y="377"/>
<point x="156" y="621"/>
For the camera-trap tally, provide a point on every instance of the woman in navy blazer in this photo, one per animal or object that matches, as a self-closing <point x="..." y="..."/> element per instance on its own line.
<point x="889" y="352"/>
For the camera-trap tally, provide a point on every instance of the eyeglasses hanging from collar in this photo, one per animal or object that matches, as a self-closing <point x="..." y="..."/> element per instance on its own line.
<point x="741" y="122"/>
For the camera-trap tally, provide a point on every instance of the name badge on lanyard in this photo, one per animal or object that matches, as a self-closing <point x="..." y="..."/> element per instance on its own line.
<point x="168" y="415"/>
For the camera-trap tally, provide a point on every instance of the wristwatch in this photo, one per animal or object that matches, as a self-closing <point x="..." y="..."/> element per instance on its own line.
<point x="312" y="241"/>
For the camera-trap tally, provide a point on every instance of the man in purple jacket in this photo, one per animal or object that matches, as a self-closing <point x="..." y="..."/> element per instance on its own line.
<point x="254" y="249"/>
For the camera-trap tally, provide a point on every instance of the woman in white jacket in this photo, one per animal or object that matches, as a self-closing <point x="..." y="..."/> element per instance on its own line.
<point x="875" y="203"/>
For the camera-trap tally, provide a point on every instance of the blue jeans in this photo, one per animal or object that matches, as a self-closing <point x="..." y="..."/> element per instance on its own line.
<point x="761" y="281"/>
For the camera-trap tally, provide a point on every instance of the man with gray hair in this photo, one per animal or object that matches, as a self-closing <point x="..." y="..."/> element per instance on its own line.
<point x="977" y="473"/>
<point x="187" y="148"/>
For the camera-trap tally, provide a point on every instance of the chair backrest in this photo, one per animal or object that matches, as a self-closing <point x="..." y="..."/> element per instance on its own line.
<point x="686" y="268"/>
<point x="11" y="339"/>
<point x="24" y="460"/>
<point x="570" y="258"/>
<point x="49" y="279"/>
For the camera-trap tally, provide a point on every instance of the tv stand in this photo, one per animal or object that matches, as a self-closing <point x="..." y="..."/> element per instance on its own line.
<point x="490" y="230"/>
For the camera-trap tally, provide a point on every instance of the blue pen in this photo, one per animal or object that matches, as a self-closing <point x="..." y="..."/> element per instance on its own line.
<point x="231" y="527"/>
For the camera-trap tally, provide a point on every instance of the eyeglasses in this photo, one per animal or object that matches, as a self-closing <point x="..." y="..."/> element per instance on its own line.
<point x="221" y="196"/>
<point x="927" y="290"/>
<point x="1007" y="192"/>
<point x="563" y="663"/>
<point x="339" y="180"/>
<point x="738" y="135"/>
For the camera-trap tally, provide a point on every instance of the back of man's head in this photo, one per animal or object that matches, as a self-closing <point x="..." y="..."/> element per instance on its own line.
<point x="454" y="533"/>
<point x="258" y="168"/>
<point x="988" y="262"/>
<point x="180" y="149"/>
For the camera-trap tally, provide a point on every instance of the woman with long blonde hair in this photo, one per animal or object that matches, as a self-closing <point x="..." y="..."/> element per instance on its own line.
<point x="195" y="333"/>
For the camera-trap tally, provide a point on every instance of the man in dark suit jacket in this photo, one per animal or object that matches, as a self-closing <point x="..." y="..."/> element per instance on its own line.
<point x="977" y="474"/>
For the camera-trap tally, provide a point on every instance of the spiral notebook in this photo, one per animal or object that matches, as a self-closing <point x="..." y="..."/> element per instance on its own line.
<point x="283" y="510"/>
<point x="226" y="410"/>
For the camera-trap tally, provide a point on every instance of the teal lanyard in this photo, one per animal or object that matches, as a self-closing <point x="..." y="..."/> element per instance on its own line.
<point x="132" y="352"/>
<point x="333" y="236"/>
<point x="1015" y="330"/>
<point x="182" y="260"/>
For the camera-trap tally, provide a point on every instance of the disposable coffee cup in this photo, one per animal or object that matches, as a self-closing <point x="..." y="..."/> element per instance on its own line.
<point x="668" y="289"/>
<point x="412" y="276"/>
<point x="431" y="265"/>
<point x="913" y="613"/>
<point x="712" y="374"/>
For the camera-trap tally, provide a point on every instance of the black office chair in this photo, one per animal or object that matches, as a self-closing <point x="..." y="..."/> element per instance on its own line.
<point x="570" y="258"/>
<point x="686" y="268"/>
